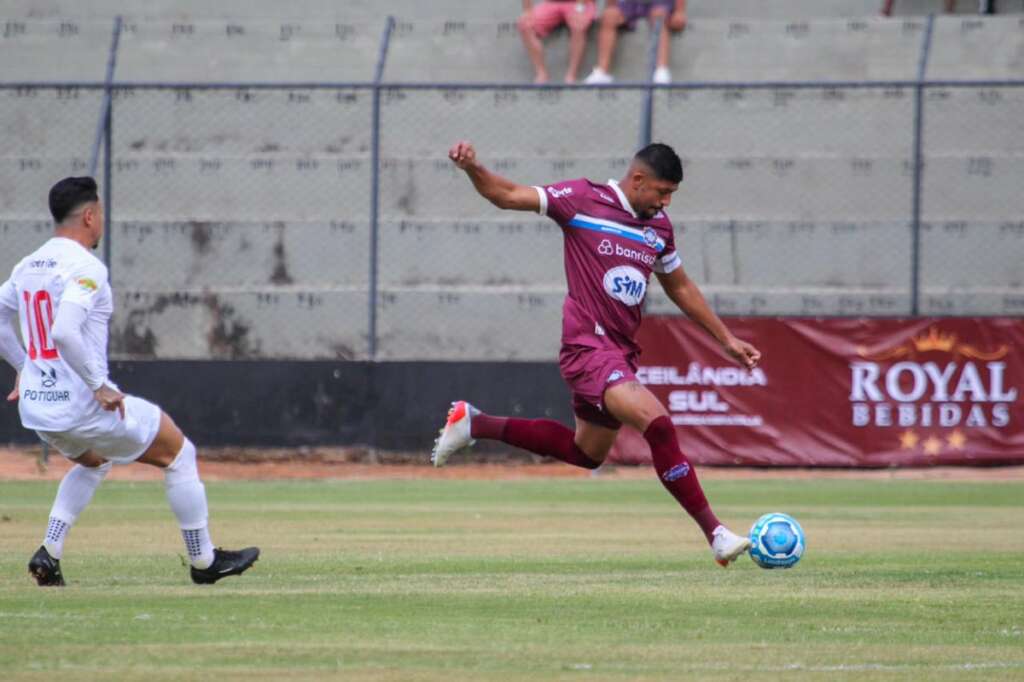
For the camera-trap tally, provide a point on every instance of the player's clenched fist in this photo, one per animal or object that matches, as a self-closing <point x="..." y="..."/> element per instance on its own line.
<point x="743" y="352"/>
<point x="462" y="154"/>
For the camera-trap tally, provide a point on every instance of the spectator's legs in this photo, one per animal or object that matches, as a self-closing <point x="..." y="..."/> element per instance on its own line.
<point x="665" y="43"/>
<point x="607" y="36"/>
<point x="534" y="46"/>
<point x="950" y="6"/>
<point x="577" y="43"/>
<point x="578" y="19"/>
<point x="887" y="8"/>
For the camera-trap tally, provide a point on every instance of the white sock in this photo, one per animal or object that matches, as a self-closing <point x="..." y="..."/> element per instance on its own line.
<point x="73" y="495"/>
<point x="198" y="546"/>
<point x="56" y="531"/>
<point x="187" y="497"/>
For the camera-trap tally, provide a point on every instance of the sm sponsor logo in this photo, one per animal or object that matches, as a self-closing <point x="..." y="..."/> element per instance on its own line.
<point x="625" y="284"/>
<point x="559" y="193"/>
<point x="932" y="382"/>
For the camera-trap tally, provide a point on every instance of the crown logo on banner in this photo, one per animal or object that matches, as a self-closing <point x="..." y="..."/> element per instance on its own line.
<point x="934" y="340"/>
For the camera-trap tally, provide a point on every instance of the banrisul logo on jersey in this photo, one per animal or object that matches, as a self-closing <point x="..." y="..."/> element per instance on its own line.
<point x="625" y="284"/>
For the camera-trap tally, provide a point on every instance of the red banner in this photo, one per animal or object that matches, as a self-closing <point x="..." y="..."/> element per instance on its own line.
<point x="840" y="393"/>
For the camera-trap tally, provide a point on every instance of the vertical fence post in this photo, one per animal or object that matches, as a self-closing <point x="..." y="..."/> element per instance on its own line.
<point x="378" y="76"/>
<point x="647" y="114"/>
<point x="103" y="133"/>
<point x="108" y="204"/>
<point x="915" y="245"/>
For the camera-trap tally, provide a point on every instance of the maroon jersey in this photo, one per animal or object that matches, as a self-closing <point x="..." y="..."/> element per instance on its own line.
<point x="609" y="255"/>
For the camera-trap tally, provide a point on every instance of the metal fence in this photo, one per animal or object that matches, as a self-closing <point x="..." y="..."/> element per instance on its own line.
<point x="323" y="220"/>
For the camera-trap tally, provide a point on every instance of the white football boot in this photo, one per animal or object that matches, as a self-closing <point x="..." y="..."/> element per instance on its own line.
<point x="455" y="435"/>
<point x="727" y="546"/>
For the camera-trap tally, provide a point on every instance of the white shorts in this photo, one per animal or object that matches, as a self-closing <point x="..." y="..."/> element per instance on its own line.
<point x="118" y="440"/>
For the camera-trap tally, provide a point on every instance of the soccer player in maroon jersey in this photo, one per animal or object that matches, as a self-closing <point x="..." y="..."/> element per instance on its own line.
<point x="616" y="234"/>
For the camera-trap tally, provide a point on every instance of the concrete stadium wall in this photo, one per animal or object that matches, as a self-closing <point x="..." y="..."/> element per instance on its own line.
<point x="242" y="217"/>
<point x="481" y="9"/>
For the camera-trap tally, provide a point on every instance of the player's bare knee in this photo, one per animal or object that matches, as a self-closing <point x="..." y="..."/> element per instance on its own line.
<point x="166" y="446"/>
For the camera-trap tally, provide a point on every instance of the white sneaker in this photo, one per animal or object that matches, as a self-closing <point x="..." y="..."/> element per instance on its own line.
<point x="727" y="546"/>
<point x="662" y="75"/>
<point x="456" y="433"/>
<point x="599" y="77"/>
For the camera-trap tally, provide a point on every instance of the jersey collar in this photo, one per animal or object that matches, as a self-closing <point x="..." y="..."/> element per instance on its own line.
<point x="622" y="197"/>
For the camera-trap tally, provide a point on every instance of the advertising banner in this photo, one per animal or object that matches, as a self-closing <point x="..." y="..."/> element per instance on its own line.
<point x="839" y="392"/>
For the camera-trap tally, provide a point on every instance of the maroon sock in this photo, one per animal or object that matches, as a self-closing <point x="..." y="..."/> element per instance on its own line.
<point x="542" y="436"/>
<point x="677" y="475"/>
<point x="488" y="427"/>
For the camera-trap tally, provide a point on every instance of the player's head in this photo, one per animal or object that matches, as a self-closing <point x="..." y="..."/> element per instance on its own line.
<point x="75" y="204"/>
<point x="653" y="176"/>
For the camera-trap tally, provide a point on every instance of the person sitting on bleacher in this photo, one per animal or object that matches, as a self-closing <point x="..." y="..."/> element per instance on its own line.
<point x="537" y="21"/>
<point x="627" y="13"/>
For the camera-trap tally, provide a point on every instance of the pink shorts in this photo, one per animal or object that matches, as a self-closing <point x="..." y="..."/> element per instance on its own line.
<point x="589" y="373"/>
<point x="546" y="16"/>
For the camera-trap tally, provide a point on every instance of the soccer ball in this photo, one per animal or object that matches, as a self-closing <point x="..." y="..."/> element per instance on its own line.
<point x="777" y="541"/>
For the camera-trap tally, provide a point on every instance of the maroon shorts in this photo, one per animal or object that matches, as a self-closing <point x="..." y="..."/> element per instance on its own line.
<point x="589" y="373"/>
<point x="633" y="10"/>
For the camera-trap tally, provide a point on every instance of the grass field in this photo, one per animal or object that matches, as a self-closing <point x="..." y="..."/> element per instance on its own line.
<point x="523" y="580"/>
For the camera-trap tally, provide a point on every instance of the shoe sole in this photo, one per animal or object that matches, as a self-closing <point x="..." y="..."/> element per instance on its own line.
<point x="735" y="554"/>
<point x="456" y="412"/>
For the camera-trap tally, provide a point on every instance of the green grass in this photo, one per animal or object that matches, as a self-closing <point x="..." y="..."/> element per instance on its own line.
<point x="525" y="580"/>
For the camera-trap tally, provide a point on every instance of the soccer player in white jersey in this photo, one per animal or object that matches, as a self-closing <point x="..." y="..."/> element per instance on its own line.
<point x="61" y="297"/>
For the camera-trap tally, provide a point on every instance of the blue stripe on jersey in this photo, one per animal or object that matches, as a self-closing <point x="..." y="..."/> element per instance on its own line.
<point x="610" y="227"/>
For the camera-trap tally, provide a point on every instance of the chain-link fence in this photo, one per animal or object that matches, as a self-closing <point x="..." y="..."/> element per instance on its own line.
<point x="241" y="221"/>
<point x="325" y="221"/>
<point x="47" y="135"/>
<point x="972" y="216"/>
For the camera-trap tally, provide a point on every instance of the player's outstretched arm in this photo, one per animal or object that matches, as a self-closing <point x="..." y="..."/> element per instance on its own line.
<point x="500" y="191"/>
<point x="687" y="296"/>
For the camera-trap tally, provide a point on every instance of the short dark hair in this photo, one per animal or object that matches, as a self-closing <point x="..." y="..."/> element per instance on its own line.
<point x="663" y="160"/>
<point x="69" y="194"/>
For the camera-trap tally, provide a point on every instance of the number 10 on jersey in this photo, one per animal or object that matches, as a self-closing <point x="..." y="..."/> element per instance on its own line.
<point x="39" y="316"/>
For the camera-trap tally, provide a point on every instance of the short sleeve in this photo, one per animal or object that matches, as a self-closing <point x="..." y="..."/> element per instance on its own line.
<point x="558" y="201"/>
<point x="668" y="260"/>
<point x="85" y="284"/>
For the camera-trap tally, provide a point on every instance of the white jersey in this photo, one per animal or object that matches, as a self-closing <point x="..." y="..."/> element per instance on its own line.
<point x="52" y="396"/>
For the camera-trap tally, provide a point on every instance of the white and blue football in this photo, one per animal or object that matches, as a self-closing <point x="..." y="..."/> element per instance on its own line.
<point x="777" y="541"/>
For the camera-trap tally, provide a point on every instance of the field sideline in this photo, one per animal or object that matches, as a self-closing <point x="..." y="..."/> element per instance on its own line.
<point x="596" y="579"/>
